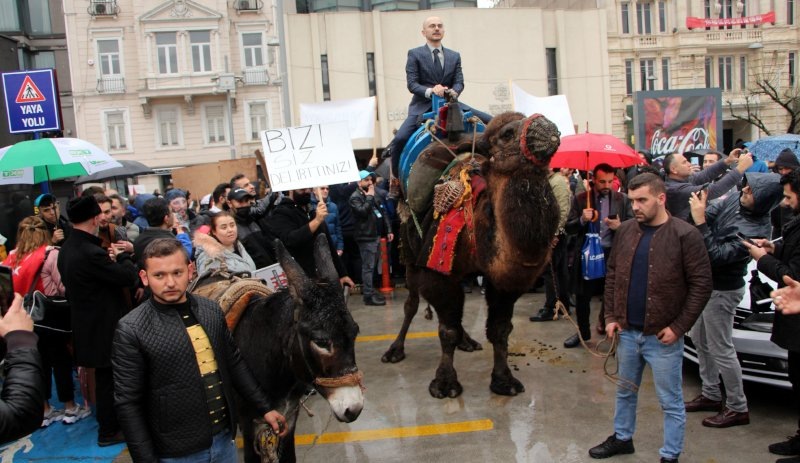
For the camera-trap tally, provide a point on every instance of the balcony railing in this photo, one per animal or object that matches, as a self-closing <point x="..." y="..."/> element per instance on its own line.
<point x="103" y="7"/>
<point x="247" y="5"/>
<point x="736" y="36"/>
<point x="256" y="76"/>
<point x="648" y="41"/>
<point x="111" y="84"/>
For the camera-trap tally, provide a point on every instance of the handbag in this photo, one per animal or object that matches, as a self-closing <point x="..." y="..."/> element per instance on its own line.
<point x="593" y="259"/>
<point x="50" y="313"/>
<point x="759" y="290"/>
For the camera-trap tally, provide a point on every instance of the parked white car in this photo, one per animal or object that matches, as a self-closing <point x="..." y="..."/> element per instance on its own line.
<point x="762" y="360"/>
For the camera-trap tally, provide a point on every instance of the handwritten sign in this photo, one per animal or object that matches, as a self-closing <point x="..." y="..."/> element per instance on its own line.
<point x="308" y="156"/>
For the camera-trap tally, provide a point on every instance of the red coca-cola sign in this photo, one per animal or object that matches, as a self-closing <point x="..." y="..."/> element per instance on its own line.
<point x="678" y="121"/>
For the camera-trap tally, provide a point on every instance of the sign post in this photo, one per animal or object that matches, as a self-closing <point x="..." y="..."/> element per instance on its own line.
<point x="32" y="102"/>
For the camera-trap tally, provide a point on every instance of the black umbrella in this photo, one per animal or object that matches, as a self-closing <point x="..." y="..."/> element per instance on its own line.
<point x="128" y="169"/>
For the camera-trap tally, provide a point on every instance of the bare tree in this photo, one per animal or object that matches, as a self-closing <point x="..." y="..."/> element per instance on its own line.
<point x="767" y="84"/>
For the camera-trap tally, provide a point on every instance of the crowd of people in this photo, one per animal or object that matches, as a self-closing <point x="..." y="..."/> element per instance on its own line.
<point x="95" y="256"/>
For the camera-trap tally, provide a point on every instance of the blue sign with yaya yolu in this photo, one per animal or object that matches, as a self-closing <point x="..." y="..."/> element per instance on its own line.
<point x="32" y="102"/>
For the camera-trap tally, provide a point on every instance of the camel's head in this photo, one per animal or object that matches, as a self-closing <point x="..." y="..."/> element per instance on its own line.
<point x="514" y="141"/>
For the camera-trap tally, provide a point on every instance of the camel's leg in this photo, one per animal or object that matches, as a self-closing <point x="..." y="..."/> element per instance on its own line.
<point x="498" y="327"/>
<point x="447" y="298"/>
<point x="396" y="352"/>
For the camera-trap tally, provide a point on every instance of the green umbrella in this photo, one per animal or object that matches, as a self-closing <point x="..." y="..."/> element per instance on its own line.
<point x="51" y="159"/>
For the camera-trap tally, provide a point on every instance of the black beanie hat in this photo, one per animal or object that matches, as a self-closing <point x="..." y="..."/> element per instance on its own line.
<point x="787" y="158"/>
<point x="82" y="209"/>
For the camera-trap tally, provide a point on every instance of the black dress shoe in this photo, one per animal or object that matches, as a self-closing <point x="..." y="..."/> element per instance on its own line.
<point x="371" y="300"/>
<point x="572" y="341"/>
<point x="113" y="439"/>
<point x="543" y="315"/>
<point x="787" y="448"/>
<point x="379" y="297"/>
<point x="612" y="446"/>
<point x="669" y="460"/>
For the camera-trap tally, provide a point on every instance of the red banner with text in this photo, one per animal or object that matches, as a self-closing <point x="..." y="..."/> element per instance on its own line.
<point x="699" y="23"/>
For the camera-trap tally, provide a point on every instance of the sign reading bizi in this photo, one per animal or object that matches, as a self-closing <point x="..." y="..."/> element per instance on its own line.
<point x="309" y="156"/>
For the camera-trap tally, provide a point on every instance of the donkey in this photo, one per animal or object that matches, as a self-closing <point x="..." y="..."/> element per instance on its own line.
<point x="297" y="340"/>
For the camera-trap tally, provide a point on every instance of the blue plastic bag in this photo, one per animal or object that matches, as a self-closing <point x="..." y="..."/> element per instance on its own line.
<point x="593" y="259"/>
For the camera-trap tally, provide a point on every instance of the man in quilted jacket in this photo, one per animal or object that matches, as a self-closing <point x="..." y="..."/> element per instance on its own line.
<point x="175" y="368"/>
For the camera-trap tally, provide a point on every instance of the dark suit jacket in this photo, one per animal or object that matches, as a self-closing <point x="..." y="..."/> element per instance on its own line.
<point x="421" y="75"/>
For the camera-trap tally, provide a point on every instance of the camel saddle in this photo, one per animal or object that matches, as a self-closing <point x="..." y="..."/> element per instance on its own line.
<point x="233" y="293"/>
<point x="454" y="200"/>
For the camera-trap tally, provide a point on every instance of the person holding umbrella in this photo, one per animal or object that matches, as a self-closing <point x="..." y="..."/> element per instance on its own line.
<point x="608" y="209"/>
<point x="47" y="207"/>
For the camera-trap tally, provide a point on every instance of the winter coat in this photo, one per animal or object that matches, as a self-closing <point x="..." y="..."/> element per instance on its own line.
<point x="340" y="194"/>
<point x="23" y="387"/>
<point x="25" y="272"/>
<point x="63" y="224"/>
<point x="678" y="191"/>
<point x="158" y="391"/>
<point x="94" y="285"/>
<point x="210" y="254"/>
<point x="368" y="210"/>
<point x="257" y="243"/>
<point x="729" y="257"/>
<point x="332" y="221"/>
<point x="785" y="260"/>
<point x="678" y="279"/>
<point x="620" y="205"/>
<point x="289" y="223"/>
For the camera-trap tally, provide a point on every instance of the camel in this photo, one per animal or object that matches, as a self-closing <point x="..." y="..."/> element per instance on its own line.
<point x="507" y="238"/>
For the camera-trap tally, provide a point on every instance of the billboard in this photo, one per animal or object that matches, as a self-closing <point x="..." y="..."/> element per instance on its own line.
<point x="677" y="121"/>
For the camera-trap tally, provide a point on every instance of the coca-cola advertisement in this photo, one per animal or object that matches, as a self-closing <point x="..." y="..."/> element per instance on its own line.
<point x="677" y="121"/>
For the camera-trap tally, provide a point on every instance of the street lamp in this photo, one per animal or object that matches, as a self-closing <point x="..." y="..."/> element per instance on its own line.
<point x="275" y="45"/>
<point x="226" y="82"/>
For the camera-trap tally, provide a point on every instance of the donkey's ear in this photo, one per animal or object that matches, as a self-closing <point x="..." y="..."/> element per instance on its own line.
<point x="298" y="281"/>
<point x="322" y="257"/>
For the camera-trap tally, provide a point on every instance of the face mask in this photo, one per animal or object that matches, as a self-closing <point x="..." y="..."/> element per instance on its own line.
<point x="243" y="213"/>
<point x="302" y="199"/>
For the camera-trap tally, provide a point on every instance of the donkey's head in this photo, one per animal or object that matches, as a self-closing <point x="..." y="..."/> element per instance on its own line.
<point x="323" y="347"/>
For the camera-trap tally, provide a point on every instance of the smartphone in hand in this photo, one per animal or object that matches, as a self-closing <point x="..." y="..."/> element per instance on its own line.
<point x="746" y="239"/>
<point x="6" y="289"/>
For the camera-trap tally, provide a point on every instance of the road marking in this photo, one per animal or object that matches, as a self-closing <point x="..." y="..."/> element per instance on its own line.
<point x="391" y="433"/>
<point x="391" y="337"/>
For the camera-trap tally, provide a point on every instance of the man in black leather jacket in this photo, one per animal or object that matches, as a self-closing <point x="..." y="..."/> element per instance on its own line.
<point x="371" y="223"/>
<point x="175" y="364"/>
<point x="23" y="388"/>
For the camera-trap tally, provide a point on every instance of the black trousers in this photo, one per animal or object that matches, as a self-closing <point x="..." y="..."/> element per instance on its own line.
<point x="794" y="378"/>
<point x="104" y="392"/>
<point x="57" y="363"/>
<point x="559" y="267"/>
<point x="583" y="307"/>
<point x="351" y="258"/>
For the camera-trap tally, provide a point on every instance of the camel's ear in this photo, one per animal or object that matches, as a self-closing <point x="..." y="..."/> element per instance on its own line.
<point x="322" y="257"/>
<point x="298" y="281"/>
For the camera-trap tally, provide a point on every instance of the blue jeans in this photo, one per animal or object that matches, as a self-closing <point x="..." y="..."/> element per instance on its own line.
<point x="222" y="450"/>
<point x="633" y="352"/>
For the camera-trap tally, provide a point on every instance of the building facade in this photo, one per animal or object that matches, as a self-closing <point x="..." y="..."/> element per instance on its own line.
<point x="173" y="83"/>
<point x="544" y="52"/>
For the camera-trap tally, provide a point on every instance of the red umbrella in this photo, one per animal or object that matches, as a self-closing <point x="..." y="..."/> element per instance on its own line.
<point x="584" y="151"/>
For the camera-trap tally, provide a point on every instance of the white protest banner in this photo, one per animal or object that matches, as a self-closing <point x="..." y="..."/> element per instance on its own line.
<point x="555" y="108"/>
<point x="136" y="189"/>
<point x="309" y="156"/>
<point x="273" y="276"/>
<point x="359" y="114"/>
<point x="17" y="176"/>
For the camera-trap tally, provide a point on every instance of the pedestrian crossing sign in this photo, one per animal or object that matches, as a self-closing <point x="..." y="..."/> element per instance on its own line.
<point x="29" y="92"/>
<point x="32" y="102"/>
